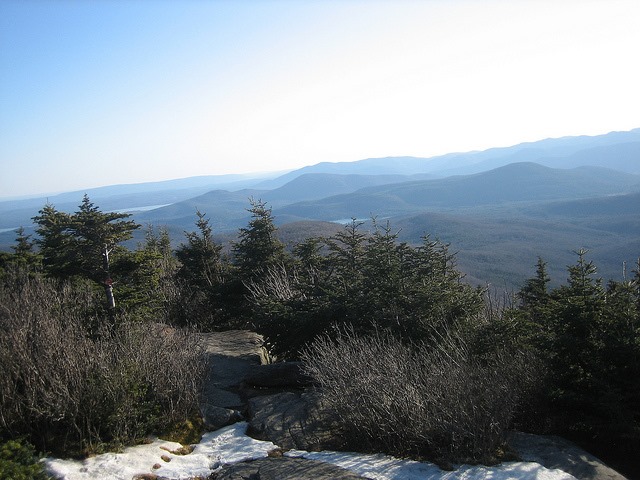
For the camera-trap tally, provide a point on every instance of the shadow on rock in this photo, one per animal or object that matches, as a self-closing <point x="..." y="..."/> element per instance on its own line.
<point x="284" y="468"/>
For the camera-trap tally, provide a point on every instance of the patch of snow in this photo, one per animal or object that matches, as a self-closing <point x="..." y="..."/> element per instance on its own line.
<point x="232" y="445"/>
<point x="384" y="467"/>
<point x="224" y="446"/>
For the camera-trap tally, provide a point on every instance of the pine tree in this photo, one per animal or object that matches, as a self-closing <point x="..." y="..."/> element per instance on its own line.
<point x="147" y="287"/>
<point x="438" y="291"/>
<point x="81" y="244"/>
<point x="344" y="288"/>
<point x="202" y="278"/>
<point x="367" y="280"/>
<point x="258" y="248"/>
<point x="24" y="254"/>
<point x="200" y="257"/>
<point x="56" y="243"/>
<point x="309" y="265"/>
<point x="534" y="293"/>
<point x="532" y="316"/>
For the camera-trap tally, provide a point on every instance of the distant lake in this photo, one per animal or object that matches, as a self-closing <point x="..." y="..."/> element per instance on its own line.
<point x="347" y="221"/>
<point x="139" y="209"/>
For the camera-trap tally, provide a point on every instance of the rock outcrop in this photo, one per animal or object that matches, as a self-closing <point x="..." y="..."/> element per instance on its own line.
<point x="242" y="385"/>
<point x="233" y="355"/>
<point x="284" y="468"/>
<point x="555" y="452"/>
<point x="294" y="420"/>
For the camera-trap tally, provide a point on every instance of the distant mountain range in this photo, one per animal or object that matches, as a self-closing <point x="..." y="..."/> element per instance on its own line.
<point x="517" y="182"/>
<point x="499" y="208"/>
<point x="616" y="150"/>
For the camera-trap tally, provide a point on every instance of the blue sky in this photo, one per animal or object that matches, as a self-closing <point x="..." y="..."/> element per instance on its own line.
<point x="121" y="91"/>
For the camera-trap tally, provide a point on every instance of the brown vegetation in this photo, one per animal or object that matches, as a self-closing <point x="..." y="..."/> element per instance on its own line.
<point x="64" y="385"/>
<point x="440" y="402"/>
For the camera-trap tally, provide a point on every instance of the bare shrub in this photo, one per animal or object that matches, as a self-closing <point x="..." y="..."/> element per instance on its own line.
<point x="45" y="357"/>
<point x="165" y="368"/>
<point x="66" y="387"/>
<point x="439" y="402"/>
<point x="275" y="284"/>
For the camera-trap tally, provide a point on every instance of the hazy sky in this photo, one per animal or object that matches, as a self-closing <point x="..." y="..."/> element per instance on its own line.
<point x="121" y="91"/>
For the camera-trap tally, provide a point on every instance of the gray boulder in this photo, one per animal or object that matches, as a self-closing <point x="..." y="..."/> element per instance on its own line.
<point x="215" y="417"/>
<point x="556" y="452"/>
<point x="237" y="343"/>
<point x="232" y="356"/>
<point x="284" y="468"/>
<point x="294" y="420"/>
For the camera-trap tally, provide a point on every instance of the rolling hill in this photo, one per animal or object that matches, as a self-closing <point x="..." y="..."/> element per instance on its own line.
<point x="139" y="196"/>
<point x="499" y="208"/>
<point x="514" y="183"/>
<point x="616" y="150"/>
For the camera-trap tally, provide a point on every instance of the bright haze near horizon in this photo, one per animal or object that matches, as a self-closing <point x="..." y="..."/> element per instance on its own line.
<point x="111" y="92"/>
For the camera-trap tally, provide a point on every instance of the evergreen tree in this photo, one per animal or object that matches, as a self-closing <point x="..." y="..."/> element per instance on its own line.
<point x="147" y="289"/>
<point x="24" y="255"/>
<point x="532" y="316"/>
<point x="384" y="277"/>
<point x="534" y="292"/>
<point x="343" y="289"/>
<point x="616" y="356"/>
<point x="24" y="246"/>
<point x="575" y="314"/>
<point x="82" y="244"/>
<point x="258" y="248"/>
<point x="56" y="243"/>
<point x="578" y="307"/>
<point x="202" y="276"/>
<point x="159" y="244"/>
<point x="589" y="337"/>
<point x="438" y="293"/>
<point x="368" y="281"/>
<point x="5" y="260"/>
<point x="310" y="265"/>
<point x="200" y="257"/>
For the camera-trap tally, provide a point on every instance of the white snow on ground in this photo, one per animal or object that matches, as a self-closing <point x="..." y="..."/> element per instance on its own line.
<point x="384" y="467"/>
<point x="228" y="445"/>
<point x="232" y="445"/>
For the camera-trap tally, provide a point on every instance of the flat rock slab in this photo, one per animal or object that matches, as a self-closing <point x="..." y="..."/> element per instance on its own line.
<point x="236" y="343"/>
<point x="556" y="452"/>
<point x="224" y="378"/>
<point x="284" y="468"/>
<point x="233" y="355"/>
<point x="294" y="421"/>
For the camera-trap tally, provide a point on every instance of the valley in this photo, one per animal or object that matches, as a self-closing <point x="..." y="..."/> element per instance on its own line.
<point x="499" y="209"/>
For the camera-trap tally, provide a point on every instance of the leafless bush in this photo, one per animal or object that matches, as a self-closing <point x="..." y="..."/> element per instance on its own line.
<point x="64" y="386"/>
<point x="440" y="402"/>
<point x="275" y="283"/>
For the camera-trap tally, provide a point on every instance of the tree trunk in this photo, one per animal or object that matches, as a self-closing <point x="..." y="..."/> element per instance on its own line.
<point x="111" y="301"/>
<point x="108" y="283"/>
